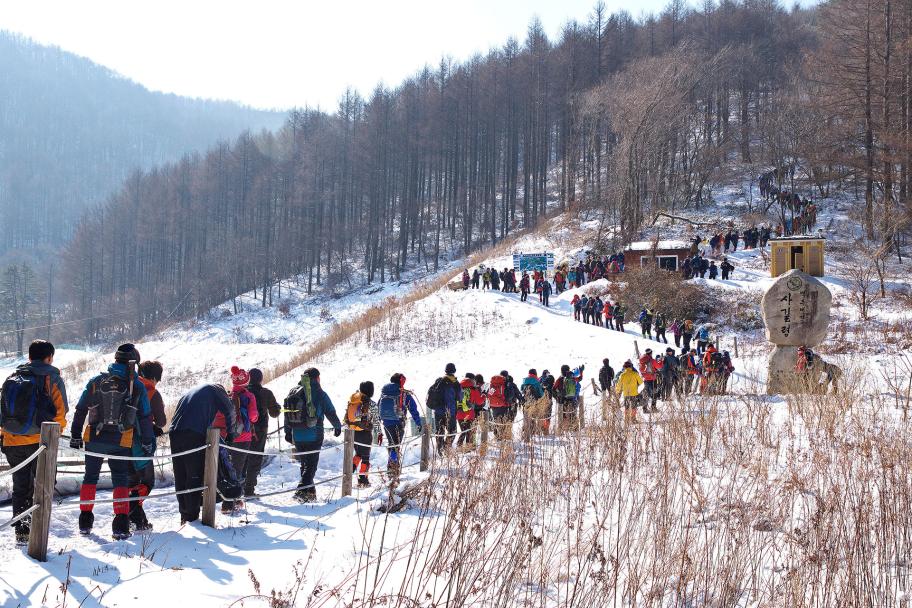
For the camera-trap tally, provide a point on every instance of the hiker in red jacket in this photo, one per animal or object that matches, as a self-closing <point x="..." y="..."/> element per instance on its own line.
<point x="500" y="407"/>
<point x="649" y="368"/>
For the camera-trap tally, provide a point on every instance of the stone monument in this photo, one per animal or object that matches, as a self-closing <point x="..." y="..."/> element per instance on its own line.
<point x="796" y="312"/>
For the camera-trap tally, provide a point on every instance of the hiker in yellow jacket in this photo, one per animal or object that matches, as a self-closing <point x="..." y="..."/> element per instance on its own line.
<point x="628" y="385"/>
<point x="362" y="416"/>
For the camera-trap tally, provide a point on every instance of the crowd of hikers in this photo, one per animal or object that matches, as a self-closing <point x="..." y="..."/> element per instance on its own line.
<point x="802" y="217"/>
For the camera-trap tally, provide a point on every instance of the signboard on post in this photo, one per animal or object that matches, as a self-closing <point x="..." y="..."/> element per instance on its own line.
<point x="530" y="262"/>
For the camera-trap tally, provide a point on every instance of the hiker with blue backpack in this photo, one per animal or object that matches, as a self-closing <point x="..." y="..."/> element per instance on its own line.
<point x="306" y="406"/>
<point x="442" y="398"/>
<point x="32" y="395"/>
<point x="395" y="405"/>
<point x="702" y="339"/>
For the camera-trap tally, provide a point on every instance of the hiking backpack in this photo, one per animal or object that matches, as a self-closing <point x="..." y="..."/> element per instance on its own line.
<point x="358" y="412"/>
<point x="114" y="406"/>
<point x="24" y="404"/>
<point x="241" y="413"/>
<point x="465" y="403"/>
<point x="299" y="407"/>
<point x="435" y="394"/>
<point x="569" y="387"/>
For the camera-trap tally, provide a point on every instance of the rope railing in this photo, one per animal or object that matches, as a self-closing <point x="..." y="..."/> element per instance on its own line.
<point x="25" y="462"/>
<point x="68" y="504"/>
<point x="140" y="458"/>
<point x="19" y="517"/>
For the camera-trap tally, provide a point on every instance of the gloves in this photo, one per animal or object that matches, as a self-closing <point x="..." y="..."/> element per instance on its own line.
<point x="380" y="439"/>
<point x="288" y="435"/>
<point x="76" y="443"/>
<point x="148" y="449"/>
<point x="158" y="431"/>
<point x="337" y="431"/>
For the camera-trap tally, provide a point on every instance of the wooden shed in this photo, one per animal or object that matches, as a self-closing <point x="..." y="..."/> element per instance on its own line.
<point x="664" y="254"/>
<point x="804" y="253"/>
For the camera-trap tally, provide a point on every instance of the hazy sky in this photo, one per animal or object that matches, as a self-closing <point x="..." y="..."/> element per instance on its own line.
<point x="283" y="53"/>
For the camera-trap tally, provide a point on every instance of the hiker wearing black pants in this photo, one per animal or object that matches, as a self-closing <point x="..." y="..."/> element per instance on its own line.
<point x="194" y="415"/>
<point x="268" y="408"/>
<point x="19" y="443"/>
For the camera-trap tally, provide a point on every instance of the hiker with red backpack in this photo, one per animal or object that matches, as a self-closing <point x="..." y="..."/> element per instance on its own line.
<point x="470" y="400"/>
<point x="246" y="415"/>
<point x="649" y="370"/>
<point x="500" y="407"/>
<point x="363" y="418"/>
<point x="113" y="409"/>
<point x="395" y="404"/>
<point x="21" y="424"/>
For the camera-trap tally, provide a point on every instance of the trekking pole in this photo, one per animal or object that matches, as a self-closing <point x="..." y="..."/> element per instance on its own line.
<point x="736" y="347"/>
<point x="45" y="480"/>
<point x="347" y="459"/>
<point x="636" y="349"/>
<point x="210" y="476"/>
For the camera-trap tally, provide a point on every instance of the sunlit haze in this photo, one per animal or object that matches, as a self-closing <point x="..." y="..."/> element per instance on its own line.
<point x="278" y="53"/>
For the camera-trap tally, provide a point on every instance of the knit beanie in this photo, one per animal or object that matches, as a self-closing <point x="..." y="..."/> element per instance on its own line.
<point x="239" y="377"/>
<point x="367" y="388"/>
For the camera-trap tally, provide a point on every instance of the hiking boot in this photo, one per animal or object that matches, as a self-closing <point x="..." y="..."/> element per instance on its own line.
<point x="22" y="531"/>
<point x="250" y="493"/>
<point x="227" y="507"/>
<point x="139" y="520"/>
<point x="120" y="527"/>
<point x="363" y="482"/>
<point x="306" y="495"/>
<point x="86" y="520"/>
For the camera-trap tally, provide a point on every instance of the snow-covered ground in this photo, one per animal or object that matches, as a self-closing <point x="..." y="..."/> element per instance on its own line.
<point x="746" y="460"/>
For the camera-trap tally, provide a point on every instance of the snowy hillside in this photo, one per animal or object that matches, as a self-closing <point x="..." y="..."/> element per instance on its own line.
<point x="739" y="500"/>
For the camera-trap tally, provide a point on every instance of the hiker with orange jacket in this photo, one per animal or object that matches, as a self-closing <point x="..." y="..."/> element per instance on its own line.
<point x="362" y="416"/>
<point x="649" y="369"/>
<point x="21" y="438"/>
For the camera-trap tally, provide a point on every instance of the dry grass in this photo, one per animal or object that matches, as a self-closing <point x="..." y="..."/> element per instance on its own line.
<point x="737" y="501"/>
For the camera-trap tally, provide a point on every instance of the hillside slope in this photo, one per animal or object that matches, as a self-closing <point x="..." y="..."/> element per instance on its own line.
<point x="71" y="131"/>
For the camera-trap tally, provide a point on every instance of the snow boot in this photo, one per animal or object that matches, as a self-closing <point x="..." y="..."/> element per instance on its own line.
<point x="306" y="495"/>
<point x="23" y="527"/>
<point x="139" y="520"/>
<point x="86" y="520"/>
<point x="120" y="527"/>
<point x="363" y="478"/>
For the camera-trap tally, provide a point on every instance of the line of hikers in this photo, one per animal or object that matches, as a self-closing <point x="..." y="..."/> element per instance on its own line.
<point x="661" y="376"/>
<point x="505" y="281"/>
<point x="698" y="266"/>
<point x="121" y="413"/>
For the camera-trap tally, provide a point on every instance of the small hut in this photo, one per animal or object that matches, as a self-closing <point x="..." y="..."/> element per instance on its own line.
<point x="804" y="253"/>
<point x="668" y="255"/>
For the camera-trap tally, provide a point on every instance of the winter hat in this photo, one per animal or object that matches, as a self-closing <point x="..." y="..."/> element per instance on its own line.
<point x="239" y="377"/>
<point x="605" y="361"/>
<point x="256" y="376"/>
<point x="450" y="368"/>
<point x="627" y="363"/>
<point x="504" y="373"/>
<point x="126" y="353"/>
<point x="648" y="351"/>
<point x="565" y="368"/>
<point x="367" y="389"/>
<point x="479" y="378"/>
<point x="470" y="376"/>
<point x="312" y="372"/>
<point x="670" y="351"/>
<point x="397" y="378"/>
<point x="533" y="372"/>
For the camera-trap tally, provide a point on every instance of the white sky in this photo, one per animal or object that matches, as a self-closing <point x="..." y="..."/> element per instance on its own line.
<point x="284" y="53"/>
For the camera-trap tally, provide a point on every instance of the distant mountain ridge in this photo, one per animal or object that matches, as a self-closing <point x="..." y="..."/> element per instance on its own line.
<point x="71" y="131"/>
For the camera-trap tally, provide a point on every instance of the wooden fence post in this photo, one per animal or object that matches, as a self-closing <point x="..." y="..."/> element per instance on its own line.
<point x="736" y="347"/>
<point x="43" y="496"/>
<point x="483" y="421"/>
<point x="210" y="477"/>
<point x="348" y="456"/>
<point x="425" y="445"/>
<point x="636" y="349"/>
<point x="582" y="412"/>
